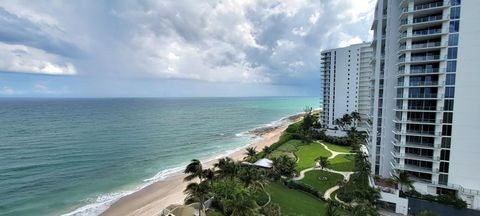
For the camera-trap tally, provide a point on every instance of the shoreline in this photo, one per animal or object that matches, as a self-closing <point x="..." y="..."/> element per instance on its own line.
<point x="152" y="199"/>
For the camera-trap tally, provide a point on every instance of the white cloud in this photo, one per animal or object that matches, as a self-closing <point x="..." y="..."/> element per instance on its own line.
<point x="5" y="90"/>
<point x="20" y="58"/>
<point x="45" y="89"/>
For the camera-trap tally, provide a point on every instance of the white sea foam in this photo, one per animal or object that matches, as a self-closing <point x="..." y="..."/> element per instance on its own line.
<point x="103" y="202"/>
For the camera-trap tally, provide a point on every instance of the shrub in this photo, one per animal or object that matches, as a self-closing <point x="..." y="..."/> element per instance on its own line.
<point x="303" y="187"/>
<point x="261" y="198"/>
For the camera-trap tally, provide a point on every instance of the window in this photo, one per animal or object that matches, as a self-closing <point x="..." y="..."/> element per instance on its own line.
<point x="450" y="79"/>
<point x="455" y="2"/>
<point x="446" y="141"/>
<point x="453" y="40"/>
<point x="444" y="167"/>
<point x="448" y="105"/>
<point x="454" y="26"/>
<point x="452" y="53"/>
<point x="451" y="66"/>
<point x="446" y="130"/>
<point x="445" y="155"/>
<point x="447" y="117"/>
<point x="443" y="179"/>
<point x="455" y="13"/>
<point x="449" y="92"/>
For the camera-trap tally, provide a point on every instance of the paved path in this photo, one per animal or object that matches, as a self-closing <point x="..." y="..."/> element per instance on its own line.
<point x="346" y="175"/>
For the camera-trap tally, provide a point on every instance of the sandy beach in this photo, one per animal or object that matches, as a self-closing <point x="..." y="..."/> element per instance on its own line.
<point x="152" y="199"/>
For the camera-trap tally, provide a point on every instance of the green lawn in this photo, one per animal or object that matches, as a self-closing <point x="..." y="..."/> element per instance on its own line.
<point x="314" y="179"/>
<point x="290" y="146"/>
<point x="338" y="148"/>
<point x="342" y="162"/>
<point x="287" y="148"/>
<point x="307" y="155"/>
<point x="295" y="203"/>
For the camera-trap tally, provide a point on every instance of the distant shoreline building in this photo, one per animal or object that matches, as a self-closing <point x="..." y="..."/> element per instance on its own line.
<point x="346" y="76"/>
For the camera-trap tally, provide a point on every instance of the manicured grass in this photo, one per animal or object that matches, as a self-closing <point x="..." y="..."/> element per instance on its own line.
<point x="295" y="203"/>
<point x="314" y="179"/>
<point x="342" y="162"/>
<point x="308" y="154"/>
<point x="290" y="146"/>
<point x="337" y="148"/>
<point x="287" y="148"/>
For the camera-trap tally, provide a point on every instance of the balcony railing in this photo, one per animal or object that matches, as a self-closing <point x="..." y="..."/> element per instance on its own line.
<point x="422" y="33"/>
<point x="423" y="7"/>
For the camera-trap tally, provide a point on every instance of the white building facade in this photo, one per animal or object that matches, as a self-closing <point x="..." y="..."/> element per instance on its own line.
<point x="346" y="78"/>
<point x="425" y="97"/>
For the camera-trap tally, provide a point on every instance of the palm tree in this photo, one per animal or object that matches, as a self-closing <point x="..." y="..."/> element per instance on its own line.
<point x="356" y="117"/>
<point x="197" y="193"/>
<point x="241" y="204"/>
<point x="226" y="167"/>
<point x="339" y="123"/>
<point x="331" y="209"/>
<point x="250" y="151"/>
<point x="194" y="169"/>
<point x="209" y="175"/>
<point x="267" y="149"/>
<point x="283" y="166"/>
<point x="323" y="162"/>
<point x="364" y="209"/>
<point x="252" y="177"/>
<point x="346" y="119"/>
<point x="403" y="180"/>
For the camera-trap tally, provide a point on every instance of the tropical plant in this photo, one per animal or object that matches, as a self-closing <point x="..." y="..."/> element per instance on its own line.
<point x="283" y="166"/>
<point x="241" y="204"/>
<point x="347" y="120"/>
<point x="197" y="193"/>
<point x="365" y="209"/>
<point x="250" y="151"/>
<point x="252" y="177"/>
<point x="332" y="209"/>
<point x="208" y="175"/>
<point x="267" y="150"/>
<point x="225" y="167"/>
<point x="356" y="118"/>
<point x="323" y="162"/>
<point x="273" y="209"/>
<point x="403" y="180"/>
<point x="194" y="170"/>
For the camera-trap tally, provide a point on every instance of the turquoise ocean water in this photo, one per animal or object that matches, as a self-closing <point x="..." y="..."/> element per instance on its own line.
<point x="76" y="156"/>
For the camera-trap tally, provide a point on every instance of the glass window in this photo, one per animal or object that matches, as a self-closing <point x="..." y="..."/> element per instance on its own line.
<point x="452" y="53"/>
<point x="451" y="66"/>
<point x="448" y="105"/>
<point x="453" y="40"/>
<point x="443" y="179"/>
<point x="446" y="142"/>
<point x="447" y="117"/>
<point x="455" y="2"/>
<point x="444" y="167"/>
<point x="455" y="13"/>
<point x="454" y="26"/>
<point x="446" y="130"/>
<point x="449" y="92"/>
<point x="445" y="155"/>
<point x="450" y="79"/>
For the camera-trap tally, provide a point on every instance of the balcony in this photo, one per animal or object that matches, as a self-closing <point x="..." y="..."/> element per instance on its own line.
<point x="423" y="34"/>
<point x="416" y="132"/>
<point x="423" y="145"/>
<point x="418" y="121"/>
<point x="419" y="108"/>
<point x="421" y="47"/>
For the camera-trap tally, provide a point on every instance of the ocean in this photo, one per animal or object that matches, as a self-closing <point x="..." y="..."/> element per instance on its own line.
<point x="77" y="156"/>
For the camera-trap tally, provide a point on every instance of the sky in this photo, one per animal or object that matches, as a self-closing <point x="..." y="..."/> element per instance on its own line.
<point x="177" y="48"/>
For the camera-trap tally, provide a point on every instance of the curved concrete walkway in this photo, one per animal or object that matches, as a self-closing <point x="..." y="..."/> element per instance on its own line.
<point x="346" y="175"/>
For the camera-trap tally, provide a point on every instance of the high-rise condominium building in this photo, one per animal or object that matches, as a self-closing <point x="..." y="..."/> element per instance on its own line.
<point x="346" y="79"/>
<point x="426" y="97"/>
